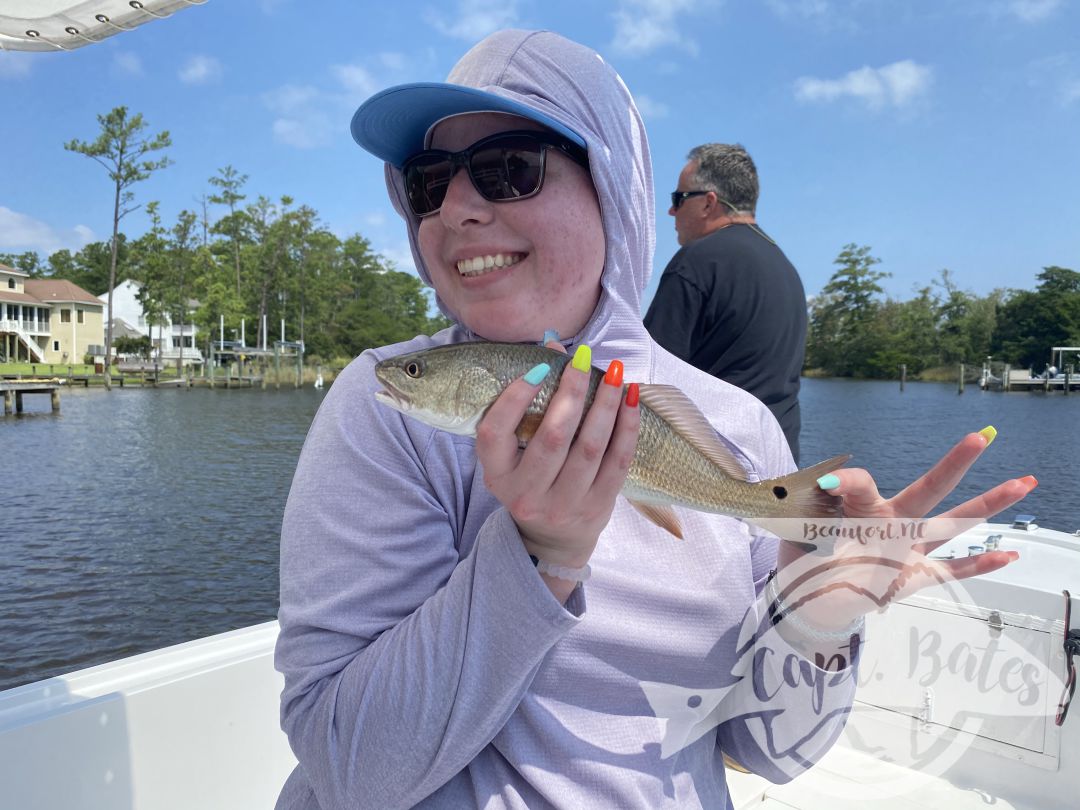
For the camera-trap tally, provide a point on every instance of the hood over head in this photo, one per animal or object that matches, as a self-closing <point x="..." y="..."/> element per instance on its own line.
<point x="569" y="88"/>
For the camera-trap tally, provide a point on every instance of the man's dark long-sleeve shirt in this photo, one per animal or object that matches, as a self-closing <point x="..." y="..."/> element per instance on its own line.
<point x="732" y="305"/>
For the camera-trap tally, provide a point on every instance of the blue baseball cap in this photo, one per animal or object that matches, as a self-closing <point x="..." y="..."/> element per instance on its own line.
<point x="393" y="124"/>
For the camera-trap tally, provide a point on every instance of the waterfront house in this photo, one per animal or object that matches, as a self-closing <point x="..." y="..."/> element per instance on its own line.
<point x="47" y="320"/>
<point x="165" y="338"/>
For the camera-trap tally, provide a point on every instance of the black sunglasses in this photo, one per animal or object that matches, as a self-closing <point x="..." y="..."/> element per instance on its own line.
<point x="503" y="167"/>
<point x="679" y="197"/>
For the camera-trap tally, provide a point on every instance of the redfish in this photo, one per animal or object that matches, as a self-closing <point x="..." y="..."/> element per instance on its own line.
<point x="679" y="460"/>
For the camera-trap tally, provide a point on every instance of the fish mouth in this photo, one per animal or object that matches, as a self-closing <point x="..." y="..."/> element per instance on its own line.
<point x="394" y="399"/>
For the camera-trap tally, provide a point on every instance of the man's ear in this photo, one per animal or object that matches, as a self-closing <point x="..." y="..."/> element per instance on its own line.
<point x="713" y="208"/>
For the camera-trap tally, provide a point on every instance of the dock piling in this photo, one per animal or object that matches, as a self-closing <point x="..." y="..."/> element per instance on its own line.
<point x="14" y="390"/>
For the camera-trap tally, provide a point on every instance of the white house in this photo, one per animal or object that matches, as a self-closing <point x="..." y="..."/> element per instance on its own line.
<point x="165" y="338"/>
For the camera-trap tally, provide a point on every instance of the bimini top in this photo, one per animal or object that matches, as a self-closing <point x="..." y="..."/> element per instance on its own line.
<point x="63" y="25"/>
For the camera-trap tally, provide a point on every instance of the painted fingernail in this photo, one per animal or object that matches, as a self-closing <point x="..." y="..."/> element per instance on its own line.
<point x="829" y="481"/>
<point x="1030" y="481"/>
<point x="583" y="358"/>
<point x="551" y="336"/>
<point x="989" y="433"/>
<point x="632" y="394"/>
<point x="614" y="374"/>
<point x="536" y="374"/>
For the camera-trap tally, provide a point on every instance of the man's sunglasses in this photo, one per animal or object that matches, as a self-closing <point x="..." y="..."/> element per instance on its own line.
<point x="679" y="197"/>
<point x="503" y="167"/>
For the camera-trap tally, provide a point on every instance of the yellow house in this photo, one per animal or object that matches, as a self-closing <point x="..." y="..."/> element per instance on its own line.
<point x="47" y="320"/>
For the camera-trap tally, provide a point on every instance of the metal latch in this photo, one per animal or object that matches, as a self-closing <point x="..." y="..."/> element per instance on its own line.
<point x="926" y="715"/>
<point x="1024" y="523"/>
<point x="995" y="621"/>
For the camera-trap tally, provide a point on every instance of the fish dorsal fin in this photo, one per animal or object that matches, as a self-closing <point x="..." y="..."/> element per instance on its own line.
<point x="683" y="415"/>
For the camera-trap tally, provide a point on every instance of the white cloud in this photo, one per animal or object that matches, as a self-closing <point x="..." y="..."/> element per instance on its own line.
<point x="1058" y="75"/>
<point x="356" y="79"/>
<point x="1070" y="92"/>
<point x="400" y="255"/>
<point x="898" y="85"/>
<point x="649" y="108"/>
<point x="1032" y="11"/>
<point x="394" y="61"/>
<point x="291" y="98"/>
<point x="474" y="19"/>
<point x="804" y="9"/>
<point x="128" y="64"/>
<point x="303" y="133"/>
<point x="309" y="116"/>
<point x="20" y="232"/>
<point x="826" y="15"/>
<point x="642" y="26"/>
<point x="200" y="69"/>
<point x="14" y="65"/>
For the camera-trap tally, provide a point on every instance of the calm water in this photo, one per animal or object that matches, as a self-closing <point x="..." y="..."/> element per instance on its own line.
<point x="140" y="518"/>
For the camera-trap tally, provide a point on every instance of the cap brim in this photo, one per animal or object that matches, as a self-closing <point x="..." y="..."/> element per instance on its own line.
<point x="393" y="123"/>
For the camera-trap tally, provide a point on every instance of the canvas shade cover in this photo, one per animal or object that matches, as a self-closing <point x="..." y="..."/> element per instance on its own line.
<point x="63" y="25"/>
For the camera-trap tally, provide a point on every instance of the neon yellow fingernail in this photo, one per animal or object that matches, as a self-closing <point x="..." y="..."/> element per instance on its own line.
<point x="583" y="358"/>
<point x="988" y="433"/>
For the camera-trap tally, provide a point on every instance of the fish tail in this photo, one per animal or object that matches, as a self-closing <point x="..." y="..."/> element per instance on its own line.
<point x="802" y="498"/>
<point x="801" y="495"/>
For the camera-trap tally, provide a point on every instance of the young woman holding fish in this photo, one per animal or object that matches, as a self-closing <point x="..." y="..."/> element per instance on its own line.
<point x="438" y="645"/>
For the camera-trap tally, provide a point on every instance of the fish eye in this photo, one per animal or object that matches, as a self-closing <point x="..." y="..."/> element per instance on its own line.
<point x="413" y="368"/>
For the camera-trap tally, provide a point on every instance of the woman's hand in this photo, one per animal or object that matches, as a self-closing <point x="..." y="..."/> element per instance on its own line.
<point x="562" y="488"/>
<point x="887" y="559"/>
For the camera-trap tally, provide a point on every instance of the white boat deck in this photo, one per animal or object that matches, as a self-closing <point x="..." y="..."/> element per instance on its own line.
<point x="196" y="725"/>
<point x="190" y="726"/>
<point x="849" y="780"/>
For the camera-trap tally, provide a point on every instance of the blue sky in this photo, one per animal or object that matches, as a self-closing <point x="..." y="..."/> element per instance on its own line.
<point x="942" y="134"/>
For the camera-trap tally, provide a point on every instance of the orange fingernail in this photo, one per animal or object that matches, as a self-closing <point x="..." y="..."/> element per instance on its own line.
<point x="1031" y="481"/>
<point x="632" y="394"/>
<point x="614" y="373"/>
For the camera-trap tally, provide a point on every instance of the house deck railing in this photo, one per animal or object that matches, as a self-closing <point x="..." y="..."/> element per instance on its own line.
<point x="30" y="327"/>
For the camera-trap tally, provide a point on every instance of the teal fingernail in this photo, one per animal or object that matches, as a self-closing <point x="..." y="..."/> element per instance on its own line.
<point x="829" y="481"/>
<point x="537" y="373"/>
<point x="551" y="336"/>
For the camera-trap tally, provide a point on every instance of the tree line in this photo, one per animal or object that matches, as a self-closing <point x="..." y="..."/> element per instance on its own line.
<point x="857" y="331"/>
<point x="235" y="259"/>
<point x="238" y="260"/>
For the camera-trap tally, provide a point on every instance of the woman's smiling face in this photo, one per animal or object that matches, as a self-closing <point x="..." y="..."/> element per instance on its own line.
<point x="510" y="270"/>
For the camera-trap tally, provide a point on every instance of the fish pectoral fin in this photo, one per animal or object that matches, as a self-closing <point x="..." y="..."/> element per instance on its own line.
<point x="662" y="516"/>
<point x="679" y="411"/>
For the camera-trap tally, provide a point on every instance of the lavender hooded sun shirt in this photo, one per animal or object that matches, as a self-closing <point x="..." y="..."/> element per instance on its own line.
<point x="425" y="661"/>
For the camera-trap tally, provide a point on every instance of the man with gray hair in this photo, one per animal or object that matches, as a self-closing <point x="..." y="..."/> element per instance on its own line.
<point x="729" y="302"/>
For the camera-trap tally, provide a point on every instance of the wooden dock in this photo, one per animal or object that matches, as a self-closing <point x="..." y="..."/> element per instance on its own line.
<point x="13" y="391"/>
<point x="1023" y="380"/>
